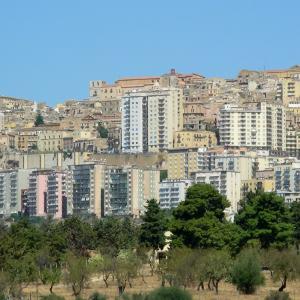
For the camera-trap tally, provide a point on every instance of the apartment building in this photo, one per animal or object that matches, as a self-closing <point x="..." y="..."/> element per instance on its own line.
<point x="8" y="192"/>
<point x="1" y="121"/>
<point x="43" y="139"/>
<point x="172" y="192"/>
<point x="84" y="183"/>
<point x="13" y="183"/>
<point x="104" y="190"/>
<point x="46" y="194"/>
<point x="127" y="189"/>
<point x="228" y="183"/>
<point x="194" y="139"/>
<point x="182" y="163"/>
<point x="287" y="181"/>
<point x="256" y="125"/>
<point x="235" y="160"/>
<point x="150" y="119"/>
<point x="288" y="90"/>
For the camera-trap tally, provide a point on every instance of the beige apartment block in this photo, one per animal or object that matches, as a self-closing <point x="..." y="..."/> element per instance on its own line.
<point x="182" y="163"/>
<point x="288" y="90"/>
<point x="260" y="125"/>
<point x="194" y="139"/>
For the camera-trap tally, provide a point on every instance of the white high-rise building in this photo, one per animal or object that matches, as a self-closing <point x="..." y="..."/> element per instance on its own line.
<point x="259" y="125"/>
<point x="1" y="121"/>
<point x="150" y="119"/>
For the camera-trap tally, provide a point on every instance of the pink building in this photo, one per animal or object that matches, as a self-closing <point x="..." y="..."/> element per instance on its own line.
<point x="46" y="194"/>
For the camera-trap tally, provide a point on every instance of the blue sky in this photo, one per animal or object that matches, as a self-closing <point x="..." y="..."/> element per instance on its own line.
<point x="50" y="49"/>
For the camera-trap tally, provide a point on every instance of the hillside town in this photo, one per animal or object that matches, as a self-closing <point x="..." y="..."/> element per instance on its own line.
<point x="151" y="137"/>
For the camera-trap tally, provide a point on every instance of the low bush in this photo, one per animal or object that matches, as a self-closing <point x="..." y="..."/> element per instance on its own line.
<point x="169" y="293"/>
<point x="275" y="295"/>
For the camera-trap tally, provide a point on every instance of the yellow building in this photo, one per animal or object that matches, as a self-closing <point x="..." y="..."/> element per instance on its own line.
<point x="288" y="90"/>
<point x="194" y="139"/>
<point x="285" y="73"/>
<point x="181" y="163"/>
<point x="247" y="186"/>
<point x="40" y="138"/>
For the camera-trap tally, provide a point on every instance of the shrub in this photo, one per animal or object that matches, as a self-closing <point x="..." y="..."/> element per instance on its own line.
<point x="246" y="272"/>
<point x="97" y="296"/>
<point x="132" y="297"/>
<point x="275" y="295"/>
<point x="169" y="293"/>
<point x="52" y="297"/>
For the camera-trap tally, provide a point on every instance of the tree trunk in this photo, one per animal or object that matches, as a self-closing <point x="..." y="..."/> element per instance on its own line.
<point x="200" y="285"/>
<point x="163" y="281"/>
<point x="209" y="284"/>
<point x="143" y="278"/>
<point x="51" y="288"/>
<point x="75" y="291"/>
<point x="283" y="284"/>
<point x="105" y="278"/>
<point x="121" y="289"/>
<point x="129" y="282"/>
<point x="216" y="285"/>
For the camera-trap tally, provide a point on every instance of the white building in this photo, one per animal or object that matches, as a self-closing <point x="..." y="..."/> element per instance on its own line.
<point x="150" y="119"/>
<point x="1" y="121"/>
<point x="259" y="125"/>
<point x="12" y="185"/>
<point x="235" y="161"/>
<point x="172" y="192"/>
<point x="228" y="183"/>
<point x="287" y="181"/>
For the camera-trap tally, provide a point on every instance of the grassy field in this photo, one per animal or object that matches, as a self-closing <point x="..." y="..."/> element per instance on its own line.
<point x="227" y="291"/>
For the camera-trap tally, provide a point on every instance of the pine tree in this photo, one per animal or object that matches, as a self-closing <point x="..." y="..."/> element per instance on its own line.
<point x="39" y="120"/>
<point x="153" y="229"/>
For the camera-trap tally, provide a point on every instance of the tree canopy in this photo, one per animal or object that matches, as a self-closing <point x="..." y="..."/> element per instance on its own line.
<point x="266" y="220"/>
<point x="152" y="232"/>
<point x="199" y="221"/>
<point x="39" y="120"/>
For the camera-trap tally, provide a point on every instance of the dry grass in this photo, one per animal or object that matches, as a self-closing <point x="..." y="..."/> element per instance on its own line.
<point x="227" y="291"/>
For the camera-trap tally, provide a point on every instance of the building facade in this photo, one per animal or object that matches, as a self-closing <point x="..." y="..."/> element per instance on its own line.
<point x="172" y="192"/>
<point x="150" y="119"/>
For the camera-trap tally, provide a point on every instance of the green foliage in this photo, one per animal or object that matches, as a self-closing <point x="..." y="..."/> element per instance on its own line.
<point x="103" y="264"/>
<point x="152" y="233"/>
<point x="201" y="199"/>
<point x="163" y="175"/>
<point x="265" y="218"/>
<point x="169" y="293"/>
<point x="39" y="120"/>
<point x="180" y="270"/>
<point x="275" y="295"/>
<point x="20" y="273"/>
<point x="132" y="297"/>
<point x="218" y="265"/>
<point x="246" y="272"/>
<point x="114" y="234"/>
<point x="79" y="235"/>
<point x="52" y="297"/>
<point x="295" y="218"/>
<point x="126" y="266"/>
<point x="284" y="265"/>
<point x="103" y="132"/>
<point x="77" y="273"/>
<point x="97" y="296"/>
<point x="199" y="221"/>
